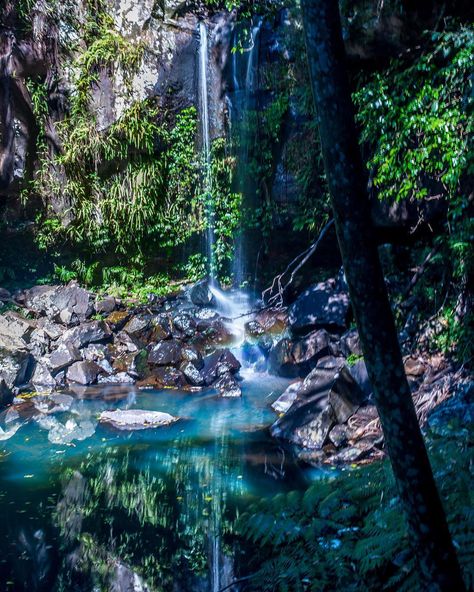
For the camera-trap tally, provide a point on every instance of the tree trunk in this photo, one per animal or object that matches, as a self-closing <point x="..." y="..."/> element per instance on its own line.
<point x="438" y="565"/>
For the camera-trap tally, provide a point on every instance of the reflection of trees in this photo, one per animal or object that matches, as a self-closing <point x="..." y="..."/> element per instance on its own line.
<point x="147" y="515"/>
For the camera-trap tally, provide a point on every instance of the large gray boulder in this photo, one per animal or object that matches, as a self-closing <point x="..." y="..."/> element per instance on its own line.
<point x="136" y="419"/>
<point x="219" y="363"/>
<point x="327" y="397"/>
<point x="295" y="358"/>
<point x="84" y="373"/>
<point x="87" y="333"/>
<point x="323" y="305"/>
<point x="62" y="357"/>
<point x="68" y="305"/>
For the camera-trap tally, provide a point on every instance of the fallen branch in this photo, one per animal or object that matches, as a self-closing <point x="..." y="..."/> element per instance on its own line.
<point x="276" y="299"/>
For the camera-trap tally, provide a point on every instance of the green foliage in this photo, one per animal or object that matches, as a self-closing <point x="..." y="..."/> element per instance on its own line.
<point x="348" y="532"/>
<point x="416" y="118"/>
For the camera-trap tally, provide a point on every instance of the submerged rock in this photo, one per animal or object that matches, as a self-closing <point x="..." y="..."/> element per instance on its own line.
<point x="136" y="419"/>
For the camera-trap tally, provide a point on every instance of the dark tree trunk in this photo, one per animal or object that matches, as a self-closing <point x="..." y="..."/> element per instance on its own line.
<point x="439" y="568"/>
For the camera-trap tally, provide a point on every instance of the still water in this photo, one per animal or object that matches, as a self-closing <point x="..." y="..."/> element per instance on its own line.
<point x="85" y="508"/>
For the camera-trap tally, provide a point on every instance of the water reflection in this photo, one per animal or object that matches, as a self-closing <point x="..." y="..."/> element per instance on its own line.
<point x="151" y="511"/>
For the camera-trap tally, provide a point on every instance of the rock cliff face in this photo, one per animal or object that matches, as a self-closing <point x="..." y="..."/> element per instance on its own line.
<point x="168" y="33"/>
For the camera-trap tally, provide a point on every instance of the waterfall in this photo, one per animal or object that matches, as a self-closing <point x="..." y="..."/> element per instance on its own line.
<point x="242" y="103"/>
<point x="205" y="134"/>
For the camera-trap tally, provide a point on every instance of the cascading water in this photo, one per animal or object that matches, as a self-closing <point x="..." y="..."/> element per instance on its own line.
<point x="242" y="101"/>
<point x="206" y="141"/>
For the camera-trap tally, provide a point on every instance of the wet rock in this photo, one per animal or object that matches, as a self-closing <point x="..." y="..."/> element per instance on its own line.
<point x="5" y="295"/>
<point x="205" y="314"/>
<point x="138" y="325"/>
<point x="105" y="305"/>
<point x="117" y="320"/>
<point x="184" y="325"/>
<point x="254" y="329"/>
<point x="228" y="386"/>
<point x="293" y="359"/>
<point x="86" y="333"/>
<point x="62" y="357"/>
<point x="84" y="373"/>
<point x="219" y="363"/>
<point x="164" y="378"/>
<point x="321" y="305"/>
<point x="42" y="377"/>
<point x="273" y="320"/>
<point x="305" y="429"/>
<point x="136" y="419"/>
<point x="119" y="378"/>
<point x="15" y="367"/>
<point x="192" y="374"/>
<point x="165" y="353"/>
<point x="123" y="342"/>
<point x="201" y="295"/>
<point x="287" y="398"/>
<point x="161" y="328"/>
<point x="135" y="363"/>
<point x="191" y="354"/>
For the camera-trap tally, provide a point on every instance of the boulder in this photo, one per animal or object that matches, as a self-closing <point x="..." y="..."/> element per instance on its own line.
<point x="95" y="352"/>
<point x="69" y="304"/>
<point x="84" y="373"/>
<point x="350" y="343"/>
<point x="138" y="325"/>
<point x="62" y="357"/>
<point x="191" y="354"/>
<point x="136" y="419"/>
<point x="164" y="378"/>
<point x="86" y="333"/>
<point x="15" y="367"/>
<point x="184" y="325"/>
<point x="117" y="320"/>
<point x="105" y="305"/>
<point x="345" y="396"/>
<point x="205" y="314"/>
<point x="42" y="377"/>
<point x="161" y="328"/>
<point x="273" y="320"/>
<point x="322" y="305"/>
<point x="295" y="358"/>
<point x="287" y="398"/>
<point x="228" y="386"/>
<point x="328" y="396"/>
<point x="338" y="436"/>
<point x="53" y="330"/>
<point x="192" y="374"/>
<point x="201" y="295"/>
<point x="222" y="361"/>
<point x="123" y="342"/>
<point x="134" y="363"/>
<point x="254" y="329"/>
<point x="165" y="353"/>
<point x="16" y="327"/>
<point x="39" y="343"/>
